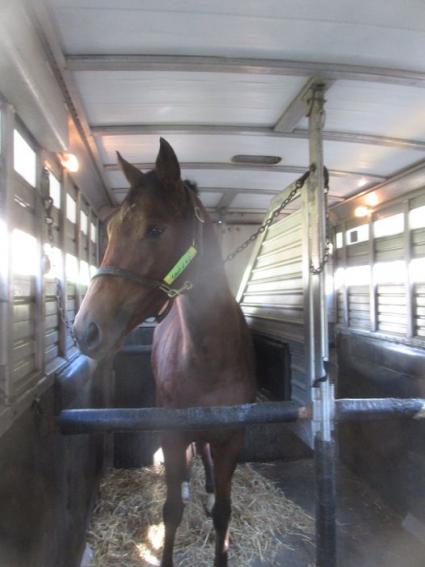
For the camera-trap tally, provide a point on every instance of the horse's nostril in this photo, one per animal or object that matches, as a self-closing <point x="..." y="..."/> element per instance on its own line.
<point x="93" y="335"/>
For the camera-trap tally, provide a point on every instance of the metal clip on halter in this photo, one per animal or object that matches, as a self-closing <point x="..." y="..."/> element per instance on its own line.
<point x="172" y="293"/>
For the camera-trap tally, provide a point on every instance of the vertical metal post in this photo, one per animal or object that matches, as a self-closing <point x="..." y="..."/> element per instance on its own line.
<point x="324" y="400"/>
<point x="410" y="290"/>
<point x="62" y="245"/>
<point x="372" y="283"/>
<point x="6" y="283"/>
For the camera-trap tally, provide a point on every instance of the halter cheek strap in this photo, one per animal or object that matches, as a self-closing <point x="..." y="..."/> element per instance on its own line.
<point x="176" y="271"/>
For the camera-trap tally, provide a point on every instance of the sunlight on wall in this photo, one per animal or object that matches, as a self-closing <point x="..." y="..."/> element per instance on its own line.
<point x="390" y="272"/>
<point x="24" y="158"/>
<point x="417" y="270"/>
<point x="389" y="225"/>
<point x="71" y="209"/>
<point x="71" y="267"/>
<point x="25" y="255"/>
<point x="84" y="273"/>
<point x="417" y="218"/>
<point x="357" y="275"/>
<point x="55" y="257"/>
<point x="55" y="190"/>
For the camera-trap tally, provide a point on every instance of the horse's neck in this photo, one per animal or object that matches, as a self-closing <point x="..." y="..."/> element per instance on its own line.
<point x="209" y="299"/>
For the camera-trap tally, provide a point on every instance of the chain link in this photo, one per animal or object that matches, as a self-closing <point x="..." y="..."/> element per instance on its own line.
<point x="294" y="193"/>
<point x="59" y="292"/>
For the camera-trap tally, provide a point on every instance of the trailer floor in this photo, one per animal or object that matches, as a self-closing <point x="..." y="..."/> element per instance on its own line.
<point x="369" y="533"/>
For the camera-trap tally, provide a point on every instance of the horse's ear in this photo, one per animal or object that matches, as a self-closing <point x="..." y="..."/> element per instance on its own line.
<point x="133" y="175"/>
<point x="167" y="165"/>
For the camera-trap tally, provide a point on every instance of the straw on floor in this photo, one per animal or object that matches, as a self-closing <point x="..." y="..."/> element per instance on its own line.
<point x="126" y="528"/>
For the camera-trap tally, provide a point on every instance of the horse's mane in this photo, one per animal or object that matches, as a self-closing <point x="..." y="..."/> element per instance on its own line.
<point x="191" y="185"/>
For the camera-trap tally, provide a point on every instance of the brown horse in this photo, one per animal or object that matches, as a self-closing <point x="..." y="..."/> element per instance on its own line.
<point x="161" y="244"/>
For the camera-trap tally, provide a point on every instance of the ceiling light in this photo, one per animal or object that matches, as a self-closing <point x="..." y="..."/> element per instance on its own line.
<point x="256" y="159"/>
<point x="372" y="199"/>
<point x="360" y="212"/>
<point x="70" y="162"/>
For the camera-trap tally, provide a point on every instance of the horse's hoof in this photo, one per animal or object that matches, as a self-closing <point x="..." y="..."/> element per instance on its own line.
<point x="185" y="490"/>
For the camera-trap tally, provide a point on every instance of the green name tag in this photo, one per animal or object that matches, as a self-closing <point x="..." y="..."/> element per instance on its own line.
<point x="181" y="265"/>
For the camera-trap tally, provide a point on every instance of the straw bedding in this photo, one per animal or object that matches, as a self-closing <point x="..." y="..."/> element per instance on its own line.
<point x="126" y="528"/>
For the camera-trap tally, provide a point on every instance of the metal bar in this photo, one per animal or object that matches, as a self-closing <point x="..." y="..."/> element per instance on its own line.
<point x="6" y="279"/>
<point x="248" y="167"/>
<point x="75" y="421"/>
<point x="324" y="461"/>
<point x="295" y="111"/>
<point x="260" y="131"/>
<point x="379" y="408"/>
<point x="248" y="66"/>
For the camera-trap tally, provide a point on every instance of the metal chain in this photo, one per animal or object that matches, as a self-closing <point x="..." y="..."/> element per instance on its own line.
<point x="327" y="249"/>
<point x="294" y="193"/>
<point x="50" y="223"/>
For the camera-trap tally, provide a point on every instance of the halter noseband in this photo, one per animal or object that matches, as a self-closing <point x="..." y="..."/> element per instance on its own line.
<point x="176" y="271"/>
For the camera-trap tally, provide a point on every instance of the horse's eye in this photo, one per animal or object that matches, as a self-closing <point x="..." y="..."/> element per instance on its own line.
<point x="154" y="231"/>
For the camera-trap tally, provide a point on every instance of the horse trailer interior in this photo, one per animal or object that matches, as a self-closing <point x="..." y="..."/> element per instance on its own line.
<point x="302" y="127"/>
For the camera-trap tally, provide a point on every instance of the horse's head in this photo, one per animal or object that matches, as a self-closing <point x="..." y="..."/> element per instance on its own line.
<point x="148" y="234"/>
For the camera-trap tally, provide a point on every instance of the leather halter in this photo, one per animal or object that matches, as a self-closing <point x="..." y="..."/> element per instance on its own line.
<point x="176" y="271"/>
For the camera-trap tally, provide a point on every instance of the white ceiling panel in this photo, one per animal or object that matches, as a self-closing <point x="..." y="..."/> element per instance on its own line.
<point x="202" y="148"/>
<point x="372" y="108"/>
<point x="224" y="178"/>
<point x="210" y="199"/>
<point x="384" y="32"/>
<point x="185" y="98"/>
<point x="244" y="201"/>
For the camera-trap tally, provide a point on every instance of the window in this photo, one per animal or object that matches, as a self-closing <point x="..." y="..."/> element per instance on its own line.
<point x="24" y="158"/>
<point x="71" y="209"/>
<point x="390" y="272"/>
<point x="83" y="222"/>
<point x="55" y="190"/>
<point x="84" y="273"/>
<point x="71" y="268"/>
<point x="417" y="218"/>
<point x="389" y="225"/>
<point x="25" y="256"/>
<point x="357" y="275"/>
<point x="357" y="234"/>
<point x="93" y="232"/>
<point x="339" y="240"/>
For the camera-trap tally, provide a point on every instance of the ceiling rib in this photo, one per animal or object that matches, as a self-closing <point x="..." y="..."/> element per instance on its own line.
<point x="240" y="65"/>
<point x="296" y="109"/>
<point x="209" y="129"/>
<point x="249" y="167"/>
<point x="231" y="191"/>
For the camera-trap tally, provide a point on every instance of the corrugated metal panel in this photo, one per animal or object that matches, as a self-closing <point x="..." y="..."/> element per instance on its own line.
<point x="273" y="299"/>
<point x="23" y="371"/>
<point x="419" y="310"/>
<point x="389" y="248"/>
<point x="391" y="309"/>
<point x="418" y="243"/>
<point x="359" y="307"/>
<point x="51" y="322"/>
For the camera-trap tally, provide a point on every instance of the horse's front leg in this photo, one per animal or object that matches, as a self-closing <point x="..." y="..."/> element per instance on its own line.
<point x="225" y="457"/>
<point x="174" y="450"/>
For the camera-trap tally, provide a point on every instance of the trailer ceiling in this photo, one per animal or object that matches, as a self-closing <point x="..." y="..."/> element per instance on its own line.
<point x="224" y="77"/>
